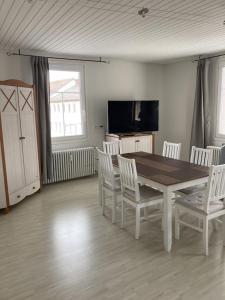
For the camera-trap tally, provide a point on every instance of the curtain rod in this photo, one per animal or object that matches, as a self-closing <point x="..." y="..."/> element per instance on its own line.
<point x="208" y="57"/>
<point x="51" y="57"/>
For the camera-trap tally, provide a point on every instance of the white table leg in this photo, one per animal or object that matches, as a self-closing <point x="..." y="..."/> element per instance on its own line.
<point x="167" y="220"/>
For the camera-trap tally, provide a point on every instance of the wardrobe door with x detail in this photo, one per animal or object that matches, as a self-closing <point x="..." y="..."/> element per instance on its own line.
<point x="29" y="138"/>
<point x="11" y="133"/>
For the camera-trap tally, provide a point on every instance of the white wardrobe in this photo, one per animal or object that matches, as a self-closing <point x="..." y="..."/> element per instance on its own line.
<point x="19" y="160"/>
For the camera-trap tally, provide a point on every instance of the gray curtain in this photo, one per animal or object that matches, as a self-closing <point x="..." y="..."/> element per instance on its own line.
<point x="200" y="134"/>
<point x="40" y="69"/>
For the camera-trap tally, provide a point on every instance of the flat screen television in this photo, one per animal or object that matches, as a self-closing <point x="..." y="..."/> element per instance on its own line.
<point x="133" y="116"/>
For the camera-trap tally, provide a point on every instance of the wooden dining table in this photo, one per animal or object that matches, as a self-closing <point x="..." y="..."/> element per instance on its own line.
<point x="167" y="175"/>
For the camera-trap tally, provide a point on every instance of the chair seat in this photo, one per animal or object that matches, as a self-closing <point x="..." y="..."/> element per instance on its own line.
<point x="196" y="202"/>
<point x="147" y="194"/>
<point x="117" y="187"/>
<point x="193" y="189"/>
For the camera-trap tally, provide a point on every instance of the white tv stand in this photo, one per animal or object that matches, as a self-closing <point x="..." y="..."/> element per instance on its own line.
<point x="134" y="142"/>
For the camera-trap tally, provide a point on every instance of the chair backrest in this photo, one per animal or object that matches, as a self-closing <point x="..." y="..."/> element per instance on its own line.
<point x="171" y="150"/>
<point x="216" y="151"/>
<point x="128" y="178"/>
<point x="201" y="156"/>
<point x="222" y="155"/>
<point x="112" y="148"/>
<point x="106" y="167"/>
<point x="216" y="185"/>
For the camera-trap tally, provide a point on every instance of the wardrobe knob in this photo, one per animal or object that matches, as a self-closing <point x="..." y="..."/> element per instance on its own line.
<point x="33" y="187"/>
<point x="18" y="196"/>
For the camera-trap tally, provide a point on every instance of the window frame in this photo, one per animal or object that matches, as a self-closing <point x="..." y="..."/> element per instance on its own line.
<point x="221" y="66"/>
<point x="71" y="140"/>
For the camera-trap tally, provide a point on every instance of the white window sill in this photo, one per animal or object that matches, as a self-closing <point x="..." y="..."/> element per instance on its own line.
<point x="69" y="143"/>
<point x="219" y="140"/>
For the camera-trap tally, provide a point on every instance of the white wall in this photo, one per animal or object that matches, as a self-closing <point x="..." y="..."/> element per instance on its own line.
<point x="155" y="91"/>
<point x="178" y="102"/>
<point x="119" y="80"/>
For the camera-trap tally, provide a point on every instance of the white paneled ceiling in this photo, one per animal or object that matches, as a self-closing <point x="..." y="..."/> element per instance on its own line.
<point x="112" y="28"/>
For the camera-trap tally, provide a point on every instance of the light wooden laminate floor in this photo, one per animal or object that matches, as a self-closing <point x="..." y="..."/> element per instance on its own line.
<point x="56" y="245"/>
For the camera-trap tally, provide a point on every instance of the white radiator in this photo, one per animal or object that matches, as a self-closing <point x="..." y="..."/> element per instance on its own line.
<point x="75" y="163"/>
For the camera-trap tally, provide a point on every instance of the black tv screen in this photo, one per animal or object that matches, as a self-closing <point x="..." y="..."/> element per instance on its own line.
<point x="133" y="116"/>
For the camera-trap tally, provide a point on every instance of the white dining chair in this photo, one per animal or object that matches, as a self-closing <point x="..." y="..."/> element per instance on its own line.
<point x="215" y="154"/>
<point x="112" y="148"/>
<point x="109" y="182"/>
<point x="205" y="206"/>
<point x="135" y="195"/>
<point x="200" y="157"/>
<point x="171" y="150"/>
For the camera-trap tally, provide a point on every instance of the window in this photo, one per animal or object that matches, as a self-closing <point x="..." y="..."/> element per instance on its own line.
<point x="67" y="103"/>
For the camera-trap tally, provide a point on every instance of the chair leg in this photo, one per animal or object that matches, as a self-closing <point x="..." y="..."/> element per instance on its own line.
<point x="162" y="223"/>
<point x="138" y="223"/>
<point x="206" y="236"/>
<point x="102" y="194"/>
<point x="114" y="207"/>
<point x="103" y="201"/>
<point x="199" y="223"/>
<point x="224" y="230"/>
<point x="216" y="222"/>
<point x="177" y="224"/>
<point x="122" y="213"/>
<point x="145" y="212"/>
<point x="100" y="190"/>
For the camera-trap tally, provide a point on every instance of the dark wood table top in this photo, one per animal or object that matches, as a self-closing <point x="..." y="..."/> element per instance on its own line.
<point x="164" y="170"/>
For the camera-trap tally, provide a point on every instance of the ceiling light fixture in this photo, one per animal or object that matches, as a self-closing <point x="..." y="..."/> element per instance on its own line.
<point x="143" y="12"/>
